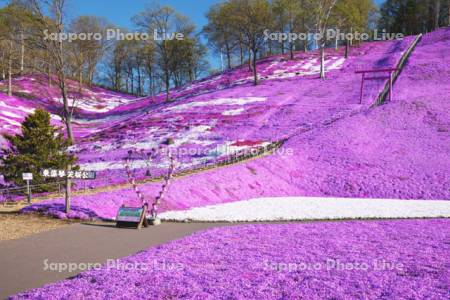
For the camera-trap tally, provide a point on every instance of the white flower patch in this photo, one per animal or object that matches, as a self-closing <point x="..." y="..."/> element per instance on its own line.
<point x="305" y="68"/>
<point x="200" y="84"/>
<point x="191" y="135"/>
<point x="220" y="101"/>
<point x="21" y="108"/>
<point x="194" y="135"/>
<point x="233" y="112"/>
<point x="309" y="208"/>
<point x="56" y="117"/>
<point x="92" y="105"/>
<point x="337" y="64"/>
<point x="10" y="114"/>
<point x="9" y="121"/>
<point x="150" y="144"/>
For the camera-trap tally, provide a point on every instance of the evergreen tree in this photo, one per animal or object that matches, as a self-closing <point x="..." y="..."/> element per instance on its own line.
<point x="414" y="16"/>
<point x="40" y="146"/>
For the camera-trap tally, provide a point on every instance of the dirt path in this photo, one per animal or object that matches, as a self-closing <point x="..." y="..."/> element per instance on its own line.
<point x="15" y="226"/>
<point x="22" y="261"/>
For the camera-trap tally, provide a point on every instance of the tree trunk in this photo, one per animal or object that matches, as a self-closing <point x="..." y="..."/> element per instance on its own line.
<point x="68" y="119"/>
<point x="49" y="75"/>
<point x="139" y="81"/>
<point x="132" y="81"/>
<point x="227" y="49"/>
<point x="291" y="50"/>
<point x="322" y="60"/>
<point x="241" y="52"/>
<point x="305" y="44"/>
<point x="22" y="53"/>
<point x="9" y="76"/>
<point x="80" y="81"/>
<point x="255" y="72"/>
<point x="347" y="48"/>
<point x="167" y="82"/>
<point x="10" y="69"/>
<point x="351" y="39"/>
<point x="67" y="109"/>
<point x="151" y="82"/>
<point x="91" y="77"/>
<point x="449" y="15"/>
<point x="3" y="65"/>
<point x="250" y="60"/>
<point x="117" y="80"/>
<point x="68" y="122"/>
<point x="437" y="11"/>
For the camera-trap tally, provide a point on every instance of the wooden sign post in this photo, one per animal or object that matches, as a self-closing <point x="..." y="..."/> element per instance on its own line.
<point x="28" y="177"/>
<point x="132" y="217"/>
<point x="68" y="175"/>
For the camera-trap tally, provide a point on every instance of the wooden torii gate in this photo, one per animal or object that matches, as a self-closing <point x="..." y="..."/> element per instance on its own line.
<point x="386" y="70"/>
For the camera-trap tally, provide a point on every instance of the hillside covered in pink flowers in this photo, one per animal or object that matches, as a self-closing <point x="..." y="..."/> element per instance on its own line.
<point x="333" y="145"/>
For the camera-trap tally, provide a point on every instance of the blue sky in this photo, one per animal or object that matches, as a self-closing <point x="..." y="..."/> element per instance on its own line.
<point x="120" y="12"/>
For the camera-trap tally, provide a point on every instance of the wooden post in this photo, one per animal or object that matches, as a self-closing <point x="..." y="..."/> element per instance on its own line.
<point x="28" y="192"/>
<point x="390" y="86"/>
<point x="68" y="190"/>
<point x="28" y="177"/>
<point x="362" y="88"/>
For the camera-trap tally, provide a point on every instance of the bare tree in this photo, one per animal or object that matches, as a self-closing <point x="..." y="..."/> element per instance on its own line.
<point x="161" y="20"/>
<point x="87" y="53"/>
<point x="251" y="18"/>
<point x="437" y="12"/>
<point x="321" y="11"/>
<point x="289" y="14"/>
<point x="219" y="33"/>
<point x="9" y="31"/>
<point x="55" y="49"/>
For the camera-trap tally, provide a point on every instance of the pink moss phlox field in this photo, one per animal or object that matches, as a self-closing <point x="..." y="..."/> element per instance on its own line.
<point x="204" y="115"/>
<point x="399" y="150"/>
<point x="335" y="146"/>
<point x="346" y="260"/>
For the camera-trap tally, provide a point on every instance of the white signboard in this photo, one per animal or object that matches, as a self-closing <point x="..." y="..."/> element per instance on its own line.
<point x="50" y="173"/>
<point x="27" y="176"/>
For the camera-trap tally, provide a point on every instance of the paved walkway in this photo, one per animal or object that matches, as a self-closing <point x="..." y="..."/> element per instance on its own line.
<point x="22" y="261"/>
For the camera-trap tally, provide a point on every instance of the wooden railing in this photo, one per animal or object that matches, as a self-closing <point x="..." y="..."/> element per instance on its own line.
<point x="384" y="93"/>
